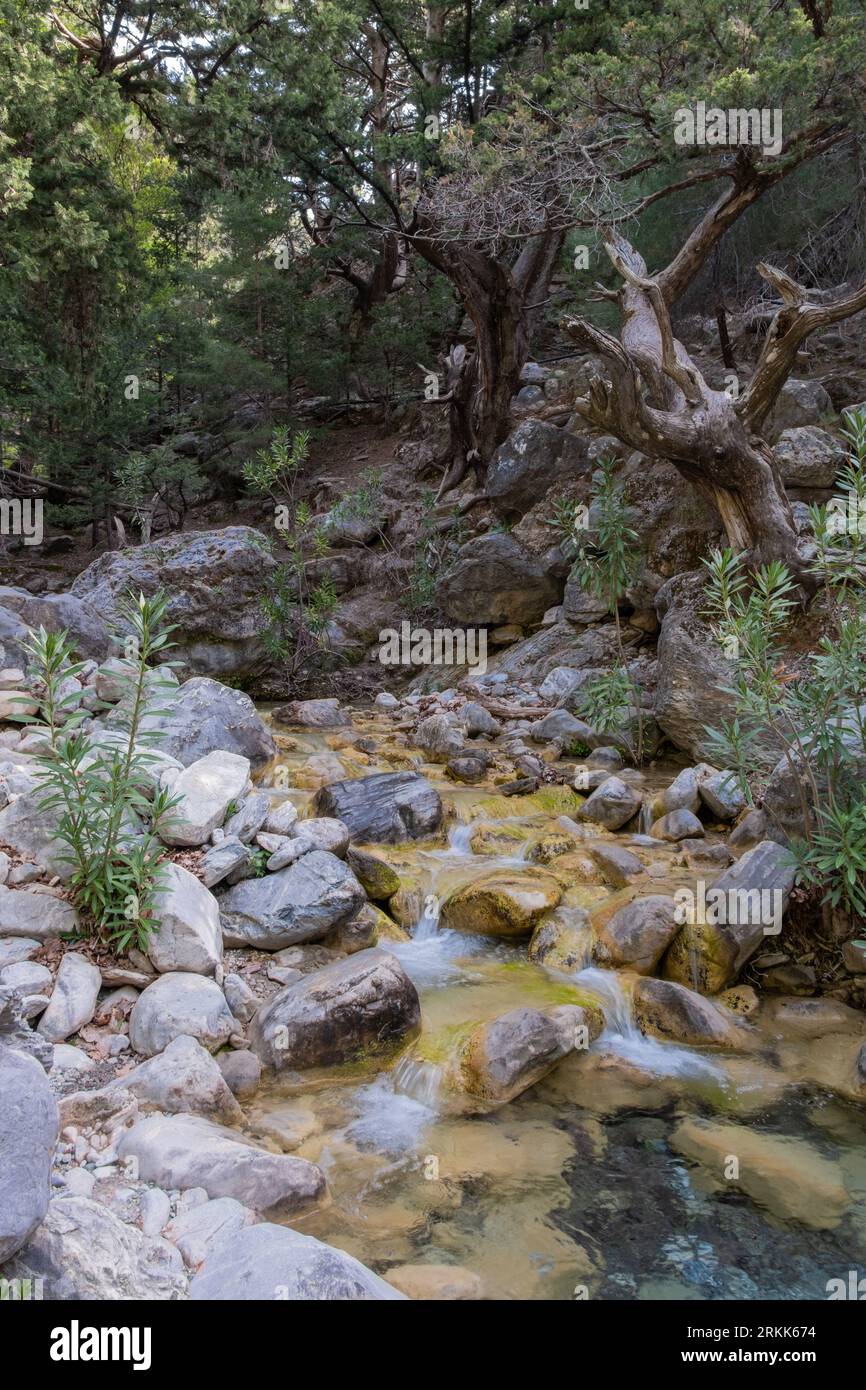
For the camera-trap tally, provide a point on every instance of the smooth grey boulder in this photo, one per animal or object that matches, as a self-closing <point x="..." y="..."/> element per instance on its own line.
<point x="84" y="1252"/>
<point x="562" y="726"/>
<point x="611" y="804"/>
<point x="789" y="786"/>
<point x="29" y="1125"/>
<point x="364" y="1004"/>
<point x="242" y="1072"/>
<point x="195" y="1232"/>
<point x="386" y="808"/>
<point x="187" y="1151"/>
<point x="204" y="791"/>
<point x="13" y="950"/>
<point x="677" y="825"/>
<point x="187" y="934"/>
<point x="265" y="1263"/>
<point x="184" y="1079"/>
<point x="73" y="1000"/>
<point x="478" y="720"/>
<point x="214" y="583"/>
<point x="180" y="1003"/>
<point x="638" y="934"/>
<point x="207" y="717"/>
<point x="281" y="818"/>
<point x="682" y="794"/>
<point x="300" y="903"/>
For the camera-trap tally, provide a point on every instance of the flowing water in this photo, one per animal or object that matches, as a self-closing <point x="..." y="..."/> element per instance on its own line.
<point x="582" y="1186"/>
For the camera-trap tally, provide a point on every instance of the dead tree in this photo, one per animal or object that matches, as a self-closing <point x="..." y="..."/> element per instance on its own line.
<point x="655" y="399"/>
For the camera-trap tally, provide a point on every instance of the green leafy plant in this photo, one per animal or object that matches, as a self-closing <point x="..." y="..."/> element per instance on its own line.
<point x="103" y="793"/>
<point x="605" y="560"/>
<point x="297" y="612"/>
<point x="810" y="717"/>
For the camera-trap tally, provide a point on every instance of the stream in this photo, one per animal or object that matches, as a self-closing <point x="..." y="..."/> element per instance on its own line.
<point x="581" y="1187"/>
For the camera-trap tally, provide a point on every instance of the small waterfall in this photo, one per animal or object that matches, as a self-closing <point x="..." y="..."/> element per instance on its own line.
<point x="422" y="1081"/>
<point x="623" y="1037"/>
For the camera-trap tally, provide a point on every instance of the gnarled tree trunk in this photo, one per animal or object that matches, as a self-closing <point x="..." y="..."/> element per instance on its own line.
<point x="658" y="402"/>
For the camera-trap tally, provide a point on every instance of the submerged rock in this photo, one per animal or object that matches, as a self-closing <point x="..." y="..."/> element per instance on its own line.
<point x="786" y="1176"/>
<point x="360" y="1006"/>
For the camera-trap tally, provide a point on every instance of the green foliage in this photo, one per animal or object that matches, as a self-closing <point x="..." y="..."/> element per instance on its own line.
<point x="98" y="792"/>
<point x="605" y="560"/>
<point x="813" y="715"/>
<point x="297" y="612"/>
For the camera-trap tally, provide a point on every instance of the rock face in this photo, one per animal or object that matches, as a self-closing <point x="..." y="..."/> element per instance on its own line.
<point x="501" y="904"/>
<point x="692" y="673"/>
<point x="494" y="580"/>
<point x="782" y="801"/>
<point x="180" y="1003"/>
<point x="300" y="903"/>
<point x="214" y="580"/>
<point x="187" y="1151"/>
<point x="188" y="935"/>
<point x="28" y="1132"/>
<point x="204" y="791"/>
<point x="84" y="1252"/>
<point x="534" y="457"/>
<point x="364" y="1004"/>
<point x="744" y="906"/>
<point x="809" y="457"/>
<point x="73" y="1000"/>
<point x="506" y="1056"/>
<point x="637" y="936"/>
<point x="266" y="1262"/>
<point x="675" y="524"/>
<point x="206" y="717"/>
<point x="386" y="808"/>
<point x="184" y="1079"/>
